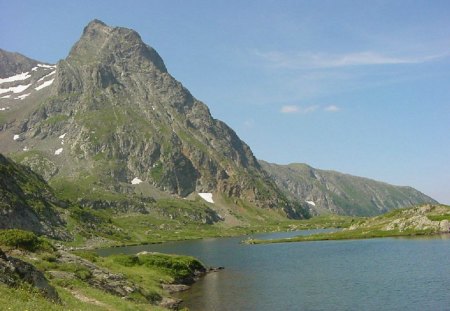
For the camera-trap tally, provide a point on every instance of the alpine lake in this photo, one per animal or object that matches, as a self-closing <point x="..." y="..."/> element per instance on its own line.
<point x="372" y="274"/>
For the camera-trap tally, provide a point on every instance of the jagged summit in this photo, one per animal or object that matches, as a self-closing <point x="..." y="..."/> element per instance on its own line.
<point x="101" y="43"/>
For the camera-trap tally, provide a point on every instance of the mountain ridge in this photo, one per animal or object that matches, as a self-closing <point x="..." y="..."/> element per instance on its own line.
<point x="328" y="191"/>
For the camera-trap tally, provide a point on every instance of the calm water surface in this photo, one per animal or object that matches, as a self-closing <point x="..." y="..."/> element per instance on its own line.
<point x="377" y="274"/>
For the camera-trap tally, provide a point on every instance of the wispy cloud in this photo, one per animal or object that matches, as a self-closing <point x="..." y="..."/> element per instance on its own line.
<point x="298" y="109"/>
<point x="324" y="60"/>
<point x="332" y="108"/>
<point x="289" y="109"/>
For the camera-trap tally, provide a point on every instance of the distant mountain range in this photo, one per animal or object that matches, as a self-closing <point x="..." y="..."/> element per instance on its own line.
<point x="109" y="121"/>
<point x="336" y="193"/>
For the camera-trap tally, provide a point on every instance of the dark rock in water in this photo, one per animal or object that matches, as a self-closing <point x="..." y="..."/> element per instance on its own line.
<point x="215" y="269"/>
<point x="14" y="272"/>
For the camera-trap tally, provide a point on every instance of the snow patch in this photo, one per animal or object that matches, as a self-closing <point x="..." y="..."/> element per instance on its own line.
<point x="6" y="96"/>
<point x="46" y="66"/>
<point x="45" y="84"/>
<point x="16" y="137"/>
<point x="136" y="181"/>
<point x="311" y="203"/>
<point x="20" y="76"/>
<point x="62" y="136"/>
<point x="46" y="76"/>
<point x="58" y="151"/>
<point x="206" y="196"/>
<point x="15" y="89"/>
<point x="26" y="148"/>
<point x="22" y="97"/>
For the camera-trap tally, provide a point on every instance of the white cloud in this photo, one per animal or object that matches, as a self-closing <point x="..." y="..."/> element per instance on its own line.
<point x="298" y="109"/>
<point x="289" y="109"/>
<point x="332" y="108"/>
<point x="324" y="60"/>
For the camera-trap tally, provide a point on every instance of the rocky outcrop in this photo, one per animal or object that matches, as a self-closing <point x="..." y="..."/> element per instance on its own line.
<point x="333" y="192"/>
<point x="13" y="63"/>
<point x="27" y="202"/>
<point x="101" y="278"/>
<point x="428" y="218"/>
<point x="14" y="272"/>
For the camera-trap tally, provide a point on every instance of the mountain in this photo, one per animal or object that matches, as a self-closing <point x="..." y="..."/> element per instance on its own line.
<point x="337" y="193"/>
<point x="27" y="202"/>
<point x="109" y="120"/>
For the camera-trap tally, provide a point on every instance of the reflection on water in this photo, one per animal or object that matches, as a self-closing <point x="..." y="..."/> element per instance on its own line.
<point x="377" y="274"/>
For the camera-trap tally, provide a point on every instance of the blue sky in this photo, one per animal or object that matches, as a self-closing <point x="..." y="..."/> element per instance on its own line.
<point x="360" y="87"/>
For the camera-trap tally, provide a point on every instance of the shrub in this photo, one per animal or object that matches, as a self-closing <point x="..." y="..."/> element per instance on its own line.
<point x="16" y="238"/>
<point x="126" y="260"/>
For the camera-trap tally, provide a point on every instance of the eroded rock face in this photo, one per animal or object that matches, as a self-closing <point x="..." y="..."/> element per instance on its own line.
<point x="14" y="271"/>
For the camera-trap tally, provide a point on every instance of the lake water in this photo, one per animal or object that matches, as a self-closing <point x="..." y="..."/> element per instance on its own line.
<point x="376" y="274"/>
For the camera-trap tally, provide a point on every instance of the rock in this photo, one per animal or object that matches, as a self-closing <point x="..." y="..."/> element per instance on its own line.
<point x="215" y="269"/>
<point x="28" y="203"/>
<point x="103" y="279"/>
<point x="14" y="271"/>
<point x="170" y="303"/>
<point x="444" y="226"/>
<point x="174" y="288"/>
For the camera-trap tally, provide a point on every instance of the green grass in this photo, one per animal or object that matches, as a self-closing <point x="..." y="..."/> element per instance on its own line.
<point x="26" y="240"/>
<point x="56" y="119"/>
<point x="86" y="299"/>
<point x="344" y="235"/>
<point x="178" y="268"/>
<point x="85" y="186"/>
<point x="386" y="225"/>
<point x="439" y="217"/>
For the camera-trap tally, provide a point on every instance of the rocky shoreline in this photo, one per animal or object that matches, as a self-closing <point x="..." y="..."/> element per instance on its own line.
<point x="15" y="273"/>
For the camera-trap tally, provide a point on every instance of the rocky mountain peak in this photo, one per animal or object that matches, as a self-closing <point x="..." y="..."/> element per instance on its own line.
<point x="115" y="114"/>
<point x="14" y="63"/>
<point x="100" y="43"/>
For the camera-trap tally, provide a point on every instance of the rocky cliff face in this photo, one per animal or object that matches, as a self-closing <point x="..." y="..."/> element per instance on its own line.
<point x="337" y="193"/>
<point x="27" y="202"/>
<point x="115" y="115"/>
<point x="15" y="272"/>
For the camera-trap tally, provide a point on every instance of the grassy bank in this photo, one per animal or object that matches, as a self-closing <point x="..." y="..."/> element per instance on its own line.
<point x="85" y="281"/>
<point x="419" y="221"/>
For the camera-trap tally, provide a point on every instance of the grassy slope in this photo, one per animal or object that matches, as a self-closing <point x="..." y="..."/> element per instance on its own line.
<point x="72" y="280"/>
